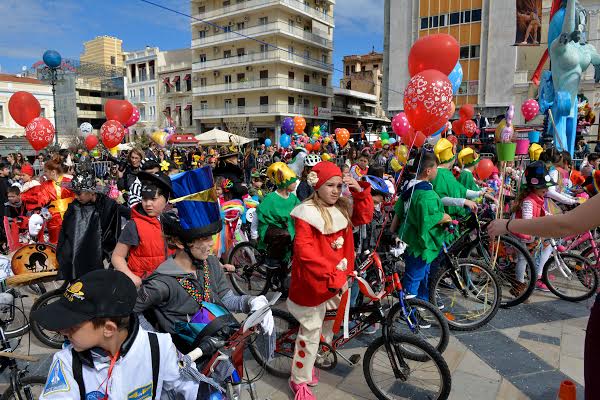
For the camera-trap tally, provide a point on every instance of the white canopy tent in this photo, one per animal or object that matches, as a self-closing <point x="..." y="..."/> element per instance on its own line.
<point x="218" y="137"/>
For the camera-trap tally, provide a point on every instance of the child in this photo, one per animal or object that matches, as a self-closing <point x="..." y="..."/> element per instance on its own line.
<point x="468" y="160"/>
<point x="419" y="214"/>
<point x="275" y="225"/>
<point x="529" y="205"/>
<point x="141" y="246"/>
<point x="108" y="356"/>
<point x="304" y="189"/>
<point x="256" y="191"/>
<point x="361" y="168"/>
<point x="323" y="259"/>
<point x="14" y="208"/>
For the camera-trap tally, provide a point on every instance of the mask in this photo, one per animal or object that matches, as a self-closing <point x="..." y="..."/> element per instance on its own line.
<point x="36" y="222"/>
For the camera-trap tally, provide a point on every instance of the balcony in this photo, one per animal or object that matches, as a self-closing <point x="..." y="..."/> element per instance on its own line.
<point x="296" y="5"/>
<point x="90" y="114"/>
<point x="262" y="84"/>
<point x="89" y="100"/>
<point x="142" y="99"/>
<point x="266" y="29"/>
<point x="255" y="58"/>
<point x="280" y="109"/>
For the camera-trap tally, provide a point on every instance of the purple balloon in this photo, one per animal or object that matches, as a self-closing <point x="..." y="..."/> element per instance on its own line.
<point x="287" y="126"/>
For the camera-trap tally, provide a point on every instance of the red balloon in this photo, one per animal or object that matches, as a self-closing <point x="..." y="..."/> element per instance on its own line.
<point x="530" y="109"/>
<point x="91" y="141"/>
<point x="466" y="112"/>
<point x="427" y="101"/>
<point x="39" y="133"/>
<point x="469" y="128"/>
<point x="400" y="124"/>
<point x="317" y="146"/>
<point x="485" y="168"/>
<point x="457" y="126"/>
<point x="118" y="110"/>
<point x="414" y="138"/>
<point x="23" y="107"/>
<point x="112" y="133"/>
<point x="308" y="147"/>
<point x="135" y="117"/>
<point x="378" y="144"/>
<point x="439" y="52"/>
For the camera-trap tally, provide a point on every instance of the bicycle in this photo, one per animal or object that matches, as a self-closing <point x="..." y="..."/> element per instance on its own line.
<point x="15" y="324"/>
<point x="467" y="290"/>
<point x="50" y="338"/>
<point x="22" y="385"/>
<point x="389" y="361"/>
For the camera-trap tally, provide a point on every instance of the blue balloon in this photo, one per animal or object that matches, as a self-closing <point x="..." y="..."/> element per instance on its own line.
<point x="287" y="126"/>
<point x="456" y="77"/>
<point x="268" y="142"/>
<point x="285" y="140"/>
<point x="391" y="140"/>
<point x="52" y="58"/>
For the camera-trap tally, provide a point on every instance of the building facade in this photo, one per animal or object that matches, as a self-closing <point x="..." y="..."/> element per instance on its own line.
<point x="142" y="87"/>
<point x="104" y="50"/>
<point x="364" y="73"/>
<point x="485" y="31"/>
<point x="10" y="84"/>
<point x="256" y="62"/>
<point x="175" y="92"/>
<point x="352" y="106"/>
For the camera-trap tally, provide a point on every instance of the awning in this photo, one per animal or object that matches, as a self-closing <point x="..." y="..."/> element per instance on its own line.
<point x="177" y="108"/>
<point x="188" y="107"/>
<point x="176" y="79"/>
<point x="188" y="77"/>
<point x="183" y="138"/>
<point x="166" y="81"/>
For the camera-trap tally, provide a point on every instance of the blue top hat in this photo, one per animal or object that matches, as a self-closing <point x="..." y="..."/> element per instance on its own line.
<point x="196" y="200"/>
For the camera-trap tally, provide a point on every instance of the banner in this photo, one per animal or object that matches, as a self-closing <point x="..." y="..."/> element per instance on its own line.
<point x="529" y="23"/>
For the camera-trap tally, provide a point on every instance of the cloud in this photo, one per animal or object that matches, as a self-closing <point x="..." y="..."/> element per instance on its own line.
<point x="359" y="16"/>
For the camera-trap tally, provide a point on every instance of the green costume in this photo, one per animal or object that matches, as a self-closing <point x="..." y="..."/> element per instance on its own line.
<point x="421" y="231"/>
<point x="467" y="180"/>
<point x="446" y="185"/>
<point x="275" y="211"/>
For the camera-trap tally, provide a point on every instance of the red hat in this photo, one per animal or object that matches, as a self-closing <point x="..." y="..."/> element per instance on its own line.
<point x="27" y="169"/>
<point x="322" y="172"/>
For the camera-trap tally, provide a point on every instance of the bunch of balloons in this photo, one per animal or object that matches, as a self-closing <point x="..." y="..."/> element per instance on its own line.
<point x="464" y="125"/>
<point x="25" y="110"/>
<point x="428" y="95"/>
<point x="120" y="114"/>
<point x="290" y="125"/>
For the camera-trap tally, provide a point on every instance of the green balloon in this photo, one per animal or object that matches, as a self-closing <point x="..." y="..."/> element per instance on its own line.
<point x="384" y="136"/>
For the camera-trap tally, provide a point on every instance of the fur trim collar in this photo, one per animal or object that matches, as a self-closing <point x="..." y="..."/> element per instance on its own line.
<point x="308" y="213"/>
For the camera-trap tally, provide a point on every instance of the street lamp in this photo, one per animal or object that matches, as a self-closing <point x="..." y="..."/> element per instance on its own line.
<point x="52" y="72"/>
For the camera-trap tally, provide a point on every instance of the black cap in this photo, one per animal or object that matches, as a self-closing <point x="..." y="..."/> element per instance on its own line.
<point x="154" y="181"/>
<point x="103" y="293"/>
<point x="537" y="177"/>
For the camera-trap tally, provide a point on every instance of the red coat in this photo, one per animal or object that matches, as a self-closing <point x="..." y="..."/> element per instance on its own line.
<point x="321" y="261"/>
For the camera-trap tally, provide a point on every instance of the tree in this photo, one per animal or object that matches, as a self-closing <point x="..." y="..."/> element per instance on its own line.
<point x="238" y="126"/>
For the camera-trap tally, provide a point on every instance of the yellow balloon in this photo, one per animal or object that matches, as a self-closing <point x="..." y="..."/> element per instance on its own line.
<point x="114" y="151"/>
<point x="160" y="138"/>
<point x="395" y="165"/>
<point x="325" y="157"/>
<point x="499" y="129"/>
<point x="316" y="130"/>
<point x="402" y="153"/>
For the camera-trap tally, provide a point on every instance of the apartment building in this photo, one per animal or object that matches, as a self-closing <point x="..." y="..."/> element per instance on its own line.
<point x="175" y="92"/>
<point x="142" y="87"/>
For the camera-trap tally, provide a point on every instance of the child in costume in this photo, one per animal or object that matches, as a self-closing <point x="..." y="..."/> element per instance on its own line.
<point x="530" y="204"/>
<point x="256" y="191"/>
<point x="323" y="259"/>
<point x="275" y="225"/>
<point x="468" y="160"/>
<point x="361" y="168"/>
<point x="418" y="219"/>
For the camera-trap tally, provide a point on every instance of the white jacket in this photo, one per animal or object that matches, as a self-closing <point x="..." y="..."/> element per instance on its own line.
<point x="131" y="376"/>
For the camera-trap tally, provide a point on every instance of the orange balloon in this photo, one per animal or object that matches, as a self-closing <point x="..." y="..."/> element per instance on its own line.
<point x="342" y="136"/>
<point x="299" y="124"/>
<point x="317" y="146"/>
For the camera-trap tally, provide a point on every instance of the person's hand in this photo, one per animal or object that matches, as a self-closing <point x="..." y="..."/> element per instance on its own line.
<point x="137" y="281"/>
<point x="228" y="268"/>
<point x="471" y="205"/>
<point x="268" y="323"/>
<point x="446" y="219"/>
<point x="497" y="227"/>
<point x="351" y="182"/>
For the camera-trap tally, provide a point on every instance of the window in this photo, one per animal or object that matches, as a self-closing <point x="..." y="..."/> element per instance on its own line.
<point x="306" y="79"/>
<point x="241" y="77"/>
<point x="202" y="82"/>
<point x="353" y="69"/>
<point x="307" y="54"/>
<point x="142" y="113"/>
<point x="454" y="18"/>
<point x="264" y="74"/>
<point x="226" y="3"/>
<point x="323" y="81"/>
<point x="226" y="53"/>
<point x="291" y="75"/>
<point x="291" y="101"/>
<point x="152" y="91"/>
<point x="227" y="28"/>
<point x="201" y="10"/>
<point x="204" y="105"/>
<point x="264" y="48"/>
<point x="464" y="52"/>
<point x="227" y="79"/>
<point x="375" y="66"/>
<point x="424" y="23"/>
<point x="323" y="103"/>
<point x="264" y="100"/>
<point x="132" y="93"/>
<point x="113" y="60"/>
<point x="201" y="34"/>
<point x="178" y="84"/>
<point x="475" y="51"/>
<point x="227" y="104"/>
<point x="241" y="52"/>
<point x="443" y="20"/>
<point x="263" y="20"/>
<point x="324" y="58"/>
<point x="240" y="26"/>
<point x="347" y="70"/>
<point x="475" y="15"/>
<point x="190" y="115"/>
<point x="142" y="94"/>
<point x="153" y="111"/>
<point x="202" y="58"/>
<point x="466" y="16"/>
<point x="43" y="113"/>
<point x="188" y="83"/>
<point x="433" y="21"/>
<point x="241" y="102"/>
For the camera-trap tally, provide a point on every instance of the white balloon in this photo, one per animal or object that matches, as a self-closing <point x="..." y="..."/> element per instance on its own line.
<point x="86" y="128"/>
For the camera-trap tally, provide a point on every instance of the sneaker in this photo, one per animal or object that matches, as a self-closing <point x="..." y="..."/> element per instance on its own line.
<point x="539" y="285"/>
<point x="315" y="378"/>
<point x="423" y="323"/>
<point x="518" y="289"/>
<point x="371" y="330"/>
<point x="301" y="391"/>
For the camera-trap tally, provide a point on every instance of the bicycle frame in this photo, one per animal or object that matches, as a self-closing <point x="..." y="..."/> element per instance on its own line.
<point x="15" y="372"/>
<point x="577" y="240"/>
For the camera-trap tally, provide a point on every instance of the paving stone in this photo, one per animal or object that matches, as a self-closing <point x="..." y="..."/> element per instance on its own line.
<point x="475" y="366"/>
<point x="508" y="391"/>
<point x="573" y="367"/>
<point x="486" y="389"/>
<point x="547" y="352"/>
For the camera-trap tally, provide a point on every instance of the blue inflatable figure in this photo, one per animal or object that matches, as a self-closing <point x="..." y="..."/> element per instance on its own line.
<point x="570" y="57"/>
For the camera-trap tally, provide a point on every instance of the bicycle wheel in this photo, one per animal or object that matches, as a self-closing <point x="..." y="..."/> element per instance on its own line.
<point x="251" y="276"/>
<point x="35" y="384"/>
<point x="409" y="320"/>
<point x="421" y="380"/>
<point x="572" y="278"/>
<point x="510" y="250"/>
<point x="286" y="328"/>
<point x="49" y="338"/>
<point x="13" y="316"/>
<point x="469" y="297"/>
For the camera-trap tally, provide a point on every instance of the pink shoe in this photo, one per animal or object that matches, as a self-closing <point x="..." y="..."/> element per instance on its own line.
<point x="539" y="285"/>
<point x="315" y="378"/>
<point x="301" y="391"/>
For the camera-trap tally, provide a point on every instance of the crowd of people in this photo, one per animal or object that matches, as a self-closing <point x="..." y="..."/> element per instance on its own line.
<point x="145" y="242"/>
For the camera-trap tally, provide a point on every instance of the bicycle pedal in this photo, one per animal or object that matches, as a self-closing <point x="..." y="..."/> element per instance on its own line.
<point x="354" y="359"/>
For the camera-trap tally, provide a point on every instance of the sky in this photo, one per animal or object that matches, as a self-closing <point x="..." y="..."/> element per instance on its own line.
<point x="29" y="27"/>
